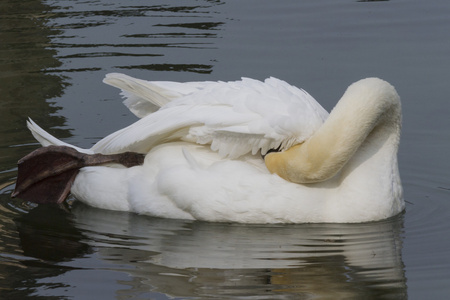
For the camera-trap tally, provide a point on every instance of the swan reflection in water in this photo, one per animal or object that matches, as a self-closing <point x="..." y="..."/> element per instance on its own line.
<point x="199" y="259"/>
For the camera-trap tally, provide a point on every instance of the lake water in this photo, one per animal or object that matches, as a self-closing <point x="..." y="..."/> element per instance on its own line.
<point x="54" y="55"/>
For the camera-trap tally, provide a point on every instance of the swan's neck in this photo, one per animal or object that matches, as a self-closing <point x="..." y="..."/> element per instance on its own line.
<point x="367" y="114"/>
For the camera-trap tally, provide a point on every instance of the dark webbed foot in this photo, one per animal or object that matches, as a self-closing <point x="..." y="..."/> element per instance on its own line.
<point x="47" y="174"/>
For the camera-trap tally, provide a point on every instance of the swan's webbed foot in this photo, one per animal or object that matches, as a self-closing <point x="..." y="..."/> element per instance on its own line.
<point x="47" y="174"/>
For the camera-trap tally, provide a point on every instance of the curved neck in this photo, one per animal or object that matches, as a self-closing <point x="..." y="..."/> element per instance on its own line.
<point x="368" y="106"/>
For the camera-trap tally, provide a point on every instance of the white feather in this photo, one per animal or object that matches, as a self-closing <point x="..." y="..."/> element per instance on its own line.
<point x="143" y="97"/>
<point x="236" y="118"/>
<point x="46" y="139"/>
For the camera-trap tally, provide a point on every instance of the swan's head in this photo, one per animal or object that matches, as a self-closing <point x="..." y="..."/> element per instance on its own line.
<point x="367" y="104"/>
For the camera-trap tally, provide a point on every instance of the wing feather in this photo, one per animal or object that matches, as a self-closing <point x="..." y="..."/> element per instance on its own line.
<point x="144" y="97"/>
<point x="236" y="118"/>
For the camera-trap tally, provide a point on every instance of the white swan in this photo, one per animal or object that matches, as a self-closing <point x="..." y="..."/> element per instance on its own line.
<point x="203" y="143"/>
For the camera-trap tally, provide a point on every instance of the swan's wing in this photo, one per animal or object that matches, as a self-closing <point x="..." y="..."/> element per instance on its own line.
<point x="277" y="115"/>
<point x="141" y="136"/>
<point x="144" y="97"/>
<point x="234" y="117"/>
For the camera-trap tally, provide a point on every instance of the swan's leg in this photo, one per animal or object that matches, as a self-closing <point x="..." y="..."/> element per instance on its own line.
<point x="46" y="174"/>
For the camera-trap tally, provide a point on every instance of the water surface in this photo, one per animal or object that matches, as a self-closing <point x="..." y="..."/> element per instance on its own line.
<point x="54" y="55"/>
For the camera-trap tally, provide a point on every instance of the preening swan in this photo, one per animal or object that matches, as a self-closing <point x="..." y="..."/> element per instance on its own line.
<point x="208" y="150"/>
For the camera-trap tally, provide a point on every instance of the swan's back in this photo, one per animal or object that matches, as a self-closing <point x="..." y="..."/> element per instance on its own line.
<point x="234" y="117"/>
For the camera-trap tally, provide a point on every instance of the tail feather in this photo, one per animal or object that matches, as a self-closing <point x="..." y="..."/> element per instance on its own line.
<point x="46" y="139"/>
<point x="142" y="97"/>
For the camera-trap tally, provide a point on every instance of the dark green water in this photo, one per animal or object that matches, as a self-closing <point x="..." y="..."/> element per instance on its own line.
<point x="53" y="56"/>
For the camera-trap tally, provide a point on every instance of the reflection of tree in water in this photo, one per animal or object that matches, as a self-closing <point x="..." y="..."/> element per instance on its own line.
<point x="163" y="37"/>
<point x="25" y="88"/>
<point x="204" y="69"/>
<point x="24" y="85"/>
<point x="42" y="45"/>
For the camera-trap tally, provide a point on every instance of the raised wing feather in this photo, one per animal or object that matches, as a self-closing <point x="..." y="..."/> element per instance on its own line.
<point x="144" y="97"/>
<point x="234" y="117"/>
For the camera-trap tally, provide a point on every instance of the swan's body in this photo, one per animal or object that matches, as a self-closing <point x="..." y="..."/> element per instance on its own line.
<point x="203" y="153"/>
